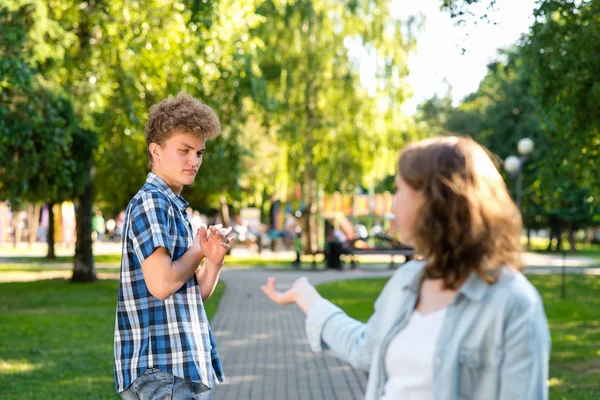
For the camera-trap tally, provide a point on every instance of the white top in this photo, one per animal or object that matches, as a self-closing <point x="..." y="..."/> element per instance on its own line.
<point x="409" y="358"/>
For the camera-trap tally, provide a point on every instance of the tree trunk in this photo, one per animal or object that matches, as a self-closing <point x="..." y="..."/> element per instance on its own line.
<point x="590" y="234"/>
<point x="16" y="229"/>
<point x="571" y="238"/>
<point x="83" y="266"/>
<point x="311" y="95"/>
<point x="528" y="247"/>
<point x="225" y="211"/>
<point x="50" y="236"/>
<point x="558" y="239"/>
<point x="549" y="248"/>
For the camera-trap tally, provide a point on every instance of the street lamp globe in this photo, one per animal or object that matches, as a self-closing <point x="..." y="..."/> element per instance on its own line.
<point x="525" y="146"/>
<point x="512" y="164"/>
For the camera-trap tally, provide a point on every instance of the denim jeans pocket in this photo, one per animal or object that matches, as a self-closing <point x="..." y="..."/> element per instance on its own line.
<point x="153" y="384"/>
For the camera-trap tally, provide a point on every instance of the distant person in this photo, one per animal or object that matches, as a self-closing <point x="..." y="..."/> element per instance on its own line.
<point x="462" y="323"/>
<point x="164" y="347"/>
<point x="119" y="224"/>
<point x="297" y="247"/>
<point x="98" y="225"/>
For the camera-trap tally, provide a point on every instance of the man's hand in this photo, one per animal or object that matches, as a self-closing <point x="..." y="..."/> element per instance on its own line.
<point x="214" y="243"/>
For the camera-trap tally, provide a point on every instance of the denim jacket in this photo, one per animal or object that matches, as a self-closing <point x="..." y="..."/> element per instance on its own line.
<point x="494" y="342"/>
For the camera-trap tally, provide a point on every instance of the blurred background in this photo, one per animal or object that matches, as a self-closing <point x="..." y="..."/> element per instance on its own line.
<point x="316" y="98"/>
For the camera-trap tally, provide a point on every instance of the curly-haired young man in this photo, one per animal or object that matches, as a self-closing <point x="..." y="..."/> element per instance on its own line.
<point x="164" y="347"/>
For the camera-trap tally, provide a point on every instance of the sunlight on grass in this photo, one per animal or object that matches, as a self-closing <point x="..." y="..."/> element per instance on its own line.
<point x="18" y="366"/>
<point x="553" y="382"/>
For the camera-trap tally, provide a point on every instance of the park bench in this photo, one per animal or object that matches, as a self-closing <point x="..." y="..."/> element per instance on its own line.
<point x="382" y="245"/>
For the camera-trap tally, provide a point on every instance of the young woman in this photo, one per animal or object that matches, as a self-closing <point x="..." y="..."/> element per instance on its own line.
<point x="461" y="323"/>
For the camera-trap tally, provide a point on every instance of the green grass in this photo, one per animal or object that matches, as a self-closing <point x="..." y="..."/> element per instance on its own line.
<point x="57" y="339"/>
<point x="111" y="263"/>
<point x="252" y="261"/>
<point x="36" y="267"/>
<point x="101" y="258"/>
<point x="574" y="325"/>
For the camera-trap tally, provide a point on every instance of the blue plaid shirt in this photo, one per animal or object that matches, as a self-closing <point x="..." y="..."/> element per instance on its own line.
<point x="173" y="335"/>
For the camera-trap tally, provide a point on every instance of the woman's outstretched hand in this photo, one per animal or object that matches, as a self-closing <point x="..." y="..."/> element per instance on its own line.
<point x="287" y="297"/>
<point x="302" y="293"/>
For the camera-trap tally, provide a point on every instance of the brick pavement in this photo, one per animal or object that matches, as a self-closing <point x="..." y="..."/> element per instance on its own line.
<point x="264" y="349"/>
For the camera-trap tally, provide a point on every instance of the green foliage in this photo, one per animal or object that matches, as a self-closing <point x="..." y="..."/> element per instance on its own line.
<point x="505" y="108"/>
<point x="38" y="125"/>
<point x="285" y="70"/>
<point x="560" y="52"/>
<point x="552" y="81"/>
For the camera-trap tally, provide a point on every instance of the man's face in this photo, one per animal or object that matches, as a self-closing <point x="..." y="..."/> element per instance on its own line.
<point x="177" y="161"/>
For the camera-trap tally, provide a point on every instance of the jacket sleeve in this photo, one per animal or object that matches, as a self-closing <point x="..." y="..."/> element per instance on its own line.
<point x="524" y="370"/>
<point x="329" y="328"/>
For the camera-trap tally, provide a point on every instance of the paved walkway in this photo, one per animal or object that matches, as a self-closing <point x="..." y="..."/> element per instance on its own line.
<point x="263" y="346"/>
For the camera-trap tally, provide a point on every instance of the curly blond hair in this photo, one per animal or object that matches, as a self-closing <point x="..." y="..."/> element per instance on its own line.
<point x="468" y="221"/>
<point x="180" y="114"/>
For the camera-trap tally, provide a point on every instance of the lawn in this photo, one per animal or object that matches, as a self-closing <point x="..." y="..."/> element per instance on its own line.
<point x="112" y="262"/>
<point x="57" y="339"/>
<point x="574" y="325"/>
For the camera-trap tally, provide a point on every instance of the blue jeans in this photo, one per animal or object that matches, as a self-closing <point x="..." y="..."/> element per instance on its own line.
<point x="155" y="384"/>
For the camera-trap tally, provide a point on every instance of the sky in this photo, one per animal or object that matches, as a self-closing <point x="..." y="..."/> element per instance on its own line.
<point x="438" y="60"/>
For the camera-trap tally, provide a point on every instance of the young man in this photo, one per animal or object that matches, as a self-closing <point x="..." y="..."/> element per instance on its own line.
<point x="163" y="341"/>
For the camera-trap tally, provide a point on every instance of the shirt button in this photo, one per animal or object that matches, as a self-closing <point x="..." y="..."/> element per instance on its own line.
<point x="438" y="361"/>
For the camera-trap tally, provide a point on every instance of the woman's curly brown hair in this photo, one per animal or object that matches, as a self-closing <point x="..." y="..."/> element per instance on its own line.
<point x="180" y="114"/>
<point x="468" y="221"/>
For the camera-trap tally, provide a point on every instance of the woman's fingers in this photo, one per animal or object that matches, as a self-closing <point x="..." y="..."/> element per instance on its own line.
<point x="286" y="297"/>
<point x="269" y="288"/>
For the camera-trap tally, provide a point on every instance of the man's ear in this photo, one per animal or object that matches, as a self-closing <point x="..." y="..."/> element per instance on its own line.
<point x="154" y="150"/>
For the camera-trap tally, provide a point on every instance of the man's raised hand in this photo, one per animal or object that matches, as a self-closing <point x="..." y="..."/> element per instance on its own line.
<point x="215" y="243"/>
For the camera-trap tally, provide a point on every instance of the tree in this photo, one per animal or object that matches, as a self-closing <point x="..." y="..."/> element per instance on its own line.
<point x="85" y="143"/>
<point x="507" y="107"/>
<point x="331" y="126"/>
<point x="129" y="57"/>
<point x="561" y="51"/>
<point x="37" y="118"/>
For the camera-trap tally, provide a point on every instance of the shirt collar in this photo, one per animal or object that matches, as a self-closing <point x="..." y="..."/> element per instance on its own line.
<point x="474" y="287"/>
<point x="413" y="283"/>
<point x="158" y="182"/>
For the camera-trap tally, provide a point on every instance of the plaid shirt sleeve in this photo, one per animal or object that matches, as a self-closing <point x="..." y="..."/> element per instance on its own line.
<point x="151" y="225"/>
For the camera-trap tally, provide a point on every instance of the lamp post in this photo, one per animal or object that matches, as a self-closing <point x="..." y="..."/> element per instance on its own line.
<point x="514" y="166"/>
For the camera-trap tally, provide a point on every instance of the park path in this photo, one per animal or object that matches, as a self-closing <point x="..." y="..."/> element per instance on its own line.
<point x="263" y="346"/>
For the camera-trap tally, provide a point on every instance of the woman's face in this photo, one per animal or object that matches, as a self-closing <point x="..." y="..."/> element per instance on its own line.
<point x="407" y="203"/>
